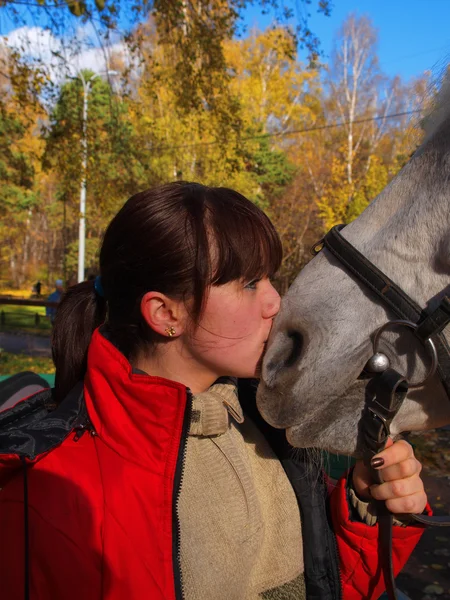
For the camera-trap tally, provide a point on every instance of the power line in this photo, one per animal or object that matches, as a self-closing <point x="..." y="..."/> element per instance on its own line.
<point x="294" y="131"/>
<point x="37" y="5"/>
<point x="408" y="56"/>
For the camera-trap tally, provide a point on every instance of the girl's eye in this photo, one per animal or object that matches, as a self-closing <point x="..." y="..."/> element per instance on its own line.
<point x="251" y="285"/>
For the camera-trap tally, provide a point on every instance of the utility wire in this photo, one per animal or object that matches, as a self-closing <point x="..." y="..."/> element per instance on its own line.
<point x="294" y="131"/>
<point x="37" y="5"/>
<point x="422" y="53"/>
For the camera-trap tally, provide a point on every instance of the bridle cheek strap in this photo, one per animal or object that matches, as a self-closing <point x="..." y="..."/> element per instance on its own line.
<point x="430" y="323"/>
<point x="388" y="391"/>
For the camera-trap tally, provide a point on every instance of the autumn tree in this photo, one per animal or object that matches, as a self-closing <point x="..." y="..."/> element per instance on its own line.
<point x="279" y="95"/>
<point x="362" y="100"/>
<point x="20" y="156"/>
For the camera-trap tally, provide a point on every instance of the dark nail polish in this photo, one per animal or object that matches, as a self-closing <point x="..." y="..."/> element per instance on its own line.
<point x="377" y="462"/>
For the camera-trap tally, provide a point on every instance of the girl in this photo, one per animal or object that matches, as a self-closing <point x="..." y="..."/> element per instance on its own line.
<point x="147" y="473"/>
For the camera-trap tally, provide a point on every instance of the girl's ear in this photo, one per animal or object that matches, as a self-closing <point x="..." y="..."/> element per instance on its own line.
<point x="163" y="314"/>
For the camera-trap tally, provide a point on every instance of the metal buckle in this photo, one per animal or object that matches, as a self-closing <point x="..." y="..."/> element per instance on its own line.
<point x="428" y="343"/>
<point x="380" y="418"/>
<point x="318" y="246"/>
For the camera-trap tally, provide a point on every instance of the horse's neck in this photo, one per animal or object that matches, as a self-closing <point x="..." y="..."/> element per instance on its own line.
<point x="406" y="229"/>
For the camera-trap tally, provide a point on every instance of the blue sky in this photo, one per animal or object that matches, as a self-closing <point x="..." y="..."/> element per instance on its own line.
<point x="414" y="35"/>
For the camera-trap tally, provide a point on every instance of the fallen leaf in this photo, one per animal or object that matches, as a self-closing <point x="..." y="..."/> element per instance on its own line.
<point x="434" y="589"/>
<point x="441" y="552"/>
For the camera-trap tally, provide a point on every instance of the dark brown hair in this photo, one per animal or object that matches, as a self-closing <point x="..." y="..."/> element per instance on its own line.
<point x="178" y="239"/>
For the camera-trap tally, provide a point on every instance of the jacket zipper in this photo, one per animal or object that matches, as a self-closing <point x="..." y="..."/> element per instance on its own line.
<point x="338" y="567"/>
<point x="178" y="480"/>
<point x="334" y="574"/>
<point x="336" y="563"/>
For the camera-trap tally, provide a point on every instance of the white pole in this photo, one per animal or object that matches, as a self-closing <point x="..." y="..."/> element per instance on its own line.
<point x="82" y="227"/>
<point x="84" y="155"/>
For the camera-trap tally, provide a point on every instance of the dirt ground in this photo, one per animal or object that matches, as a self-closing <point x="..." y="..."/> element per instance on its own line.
<point x="427" y="574"/>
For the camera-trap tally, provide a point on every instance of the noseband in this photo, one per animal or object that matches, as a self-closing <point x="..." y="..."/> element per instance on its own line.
<point x="388" y="386"/>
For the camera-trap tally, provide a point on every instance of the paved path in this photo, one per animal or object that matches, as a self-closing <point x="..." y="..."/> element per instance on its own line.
<point x="32" y="345"/>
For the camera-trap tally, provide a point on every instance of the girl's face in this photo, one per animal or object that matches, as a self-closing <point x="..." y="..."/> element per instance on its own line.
<point x="231" y="335"/>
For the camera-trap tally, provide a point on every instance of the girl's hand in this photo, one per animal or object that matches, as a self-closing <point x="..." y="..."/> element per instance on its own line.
<point x="403" y="488"/>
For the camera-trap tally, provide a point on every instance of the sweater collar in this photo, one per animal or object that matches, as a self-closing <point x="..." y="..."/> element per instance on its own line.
<point x="211" y="410"/>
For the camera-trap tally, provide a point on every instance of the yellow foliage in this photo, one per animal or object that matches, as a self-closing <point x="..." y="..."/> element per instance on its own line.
<point x="268" y="79"/>
<point x="343" y="201"/>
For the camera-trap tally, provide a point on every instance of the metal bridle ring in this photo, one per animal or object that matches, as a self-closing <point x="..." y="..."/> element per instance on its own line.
<point x="428" y="343"/>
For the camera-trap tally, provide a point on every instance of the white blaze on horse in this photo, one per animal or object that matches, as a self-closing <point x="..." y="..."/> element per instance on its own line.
<point x="323" y="337"/>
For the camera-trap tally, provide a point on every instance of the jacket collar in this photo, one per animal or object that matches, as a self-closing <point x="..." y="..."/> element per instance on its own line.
<point x="135" y="415"/>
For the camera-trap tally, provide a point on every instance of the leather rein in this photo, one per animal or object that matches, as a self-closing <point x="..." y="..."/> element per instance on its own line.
<point x="388" y="388"/>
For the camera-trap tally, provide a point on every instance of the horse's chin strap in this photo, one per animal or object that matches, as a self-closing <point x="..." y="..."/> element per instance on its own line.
<point x="390" y="389"/>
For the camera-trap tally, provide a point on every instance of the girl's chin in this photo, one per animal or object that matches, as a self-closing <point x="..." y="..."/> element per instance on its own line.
<point x="252" y="373"/>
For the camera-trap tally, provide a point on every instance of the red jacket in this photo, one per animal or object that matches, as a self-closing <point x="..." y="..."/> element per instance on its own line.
<point x="88" y="505"/>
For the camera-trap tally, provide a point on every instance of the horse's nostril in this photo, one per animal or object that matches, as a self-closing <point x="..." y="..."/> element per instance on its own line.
<point x="285" y="350"/>
<point x="295" y="348"/>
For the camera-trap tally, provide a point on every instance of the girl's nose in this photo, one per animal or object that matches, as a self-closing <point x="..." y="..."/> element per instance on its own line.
<point x="272" y="302"/>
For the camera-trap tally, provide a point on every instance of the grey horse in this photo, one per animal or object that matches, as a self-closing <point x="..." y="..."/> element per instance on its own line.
<point x="322" y="337"/>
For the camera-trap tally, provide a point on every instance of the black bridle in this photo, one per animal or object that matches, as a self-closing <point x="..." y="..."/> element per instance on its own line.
<point x="390" y="387"/>
<point x="429" y="324"/>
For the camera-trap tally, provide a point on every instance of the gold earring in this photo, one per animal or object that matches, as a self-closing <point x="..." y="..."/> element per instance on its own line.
<point x="170" y="331"/>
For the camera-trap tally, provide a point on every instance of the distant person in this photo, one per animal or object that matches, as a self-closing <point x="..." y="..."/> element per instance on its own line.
<point x="55" y="296"/>
<point x="36" y="289"/>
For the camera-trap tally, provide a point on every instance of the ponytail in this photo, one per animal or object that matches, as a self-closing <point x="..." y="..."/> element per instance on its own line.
<point x="79" y="313"/>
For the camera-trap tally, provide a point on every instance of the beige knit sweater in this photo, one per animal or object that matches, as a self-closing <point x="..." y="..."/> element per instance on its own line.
<point x="240" y="522"/>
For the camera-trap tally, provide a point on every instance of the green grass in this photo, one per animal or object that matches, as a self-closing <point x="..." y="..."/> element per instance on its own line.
<point x="15" y="363"/>
<point x="23" y="318"/>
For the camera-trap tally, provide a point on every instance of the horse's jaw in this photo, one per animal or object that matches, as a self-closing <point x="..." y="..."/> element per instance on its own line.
<point x="335" y="423"/>
<point x="331" y="425"/>
<point x="336" y="428"/>
<point x="424" y="408"/>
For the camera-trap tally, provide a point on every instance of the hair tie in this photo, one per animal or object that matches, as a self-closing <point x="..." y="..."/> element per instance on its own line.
<point x="98" y="287"/>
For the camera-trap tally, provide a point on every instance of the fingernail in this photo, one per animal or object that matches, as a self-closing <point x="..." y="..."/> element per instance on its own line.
<point x="377" y="462"/>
